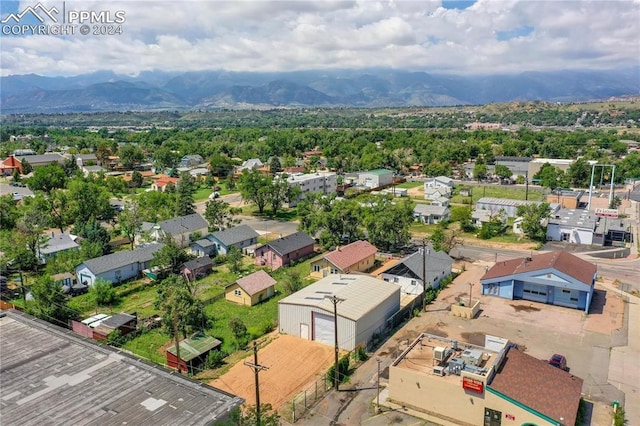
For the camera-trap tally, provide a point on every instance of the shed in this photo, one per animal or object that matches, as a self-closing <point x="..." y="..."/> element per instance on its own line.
<point x="364" y="308"/>
<point x="197" y="268"/>
<point x="124" y="323"/>
<point x="193" y="352"/>
<point x="251" y="289"/>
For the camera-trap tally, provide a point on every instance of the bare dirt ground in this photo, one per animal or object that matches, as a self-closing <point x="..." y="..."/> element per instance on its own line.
<point x="292" y="362"/>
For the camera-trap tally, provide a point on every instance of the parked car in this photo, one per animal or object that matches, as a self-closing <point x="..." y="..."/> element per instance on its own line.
<point x="559" y="361"/>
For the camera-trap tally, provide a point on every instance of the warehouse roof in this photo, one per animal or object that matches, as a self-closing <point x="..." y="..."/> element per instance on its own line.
<point x="360" y="294"/>
<point x="51" y="376"/>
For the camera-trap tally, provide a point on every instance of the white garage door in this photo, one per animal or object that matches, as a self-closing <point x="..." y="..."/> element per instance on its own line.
<point x="323" y="327"/>
<point x="537" y="293"/>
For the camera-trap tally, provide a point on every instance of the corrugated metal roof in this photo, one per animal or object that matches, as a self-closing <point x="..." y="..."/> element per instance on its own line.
<point x="360" y="294"/>
<point x="195" y="346"/>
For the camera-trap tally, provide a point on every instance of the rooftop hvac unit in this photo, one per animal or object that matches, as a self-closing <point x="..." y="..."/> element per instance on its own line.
<point x="456" y="365"/>
<point x="438" y="371"/>
<point x="439" y="353"/>
<point x="472" y="356"/>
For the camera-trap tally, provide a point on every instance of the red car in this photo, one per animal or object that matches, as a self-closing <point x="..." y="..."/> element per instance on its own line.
<point x="559" y="361"/>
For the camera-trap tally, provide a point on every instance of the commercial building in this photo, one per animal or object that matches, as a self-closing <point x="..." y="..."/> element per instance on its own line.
<point x="577" y="226"/>
<point x="315" y="183"/>
<point x="364" y="305"/>
<point x="50" y="376"/>
<point x="375" y="178"/>
<point x="509" y="206"/>
<point x="450" y="382"/>
<point x="557" y="278"/>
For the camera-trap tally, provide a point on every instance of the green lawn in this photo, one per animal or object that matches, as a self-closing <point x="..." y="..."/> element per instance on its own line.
<point x="146" y="345"/>
<point x="422" y="228"/>
<point x="202" y="193"/>
<point x="409" y="185"/>
<point x="517" y="193"/>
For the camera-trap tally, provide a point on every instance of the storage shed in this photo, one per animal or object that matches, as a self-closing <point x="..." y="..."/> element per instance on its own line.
<point x="193" y="352"/>
<point x="365" y="304"/>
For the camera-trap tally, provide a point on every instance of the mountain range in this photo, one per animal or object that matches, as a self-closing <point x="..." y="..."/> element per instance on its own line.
<point x="156" y="90"/>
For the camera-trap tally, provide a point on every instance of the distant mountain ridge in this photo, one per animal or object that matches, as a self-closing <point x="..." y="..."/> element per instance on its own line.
<point x="107" y="91"/>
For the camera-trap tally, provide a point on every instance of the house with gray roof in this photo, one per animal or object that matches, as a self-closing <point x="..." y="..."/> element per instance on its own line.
<point x="117" y="267"/>
<point x="57" y="243"/>
<point x="283" y="251"/>
<point x="52" y="376"/>
<point x="239" y="236"/>
<point x="427" y="213"/>
<point x="181" y="229"/>
<point x="407" y="273"/>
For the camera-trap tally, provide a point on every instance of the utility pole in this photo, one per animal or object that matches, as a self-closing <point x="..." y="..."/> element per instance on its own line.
<point x="175" y="338"/>
<point x="256" y="369"/>
<point x="470" y="292"/>
<point x="336" y="374"/>
<point x="378" y="360"/>
<point x="526" y="185"/>
<point x="424" y="275"/>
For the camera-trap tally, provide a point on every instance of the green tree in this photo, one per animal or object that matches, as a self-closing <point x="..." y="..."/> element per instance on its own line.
<point x="49" y="303"/>
<point x="165" y="158"/>
<point x="136" y="179"/>
<point x="103" y="293"/>
<point x="170" y="256"/>
<point x="88" y="201"/>
<point x="220" y="215"/>
<point x="184" y="195"/>
<point x="8" y="212"/>
<point x="130" y="156"/>
<point x="156" y="206"/>
<point x="274" y="165"/>
<point x="549" y="176"/>
<point x="177" y="302"/>
<point x="26" y="167"/>
<point x="255" y="188"/>
<point x="387" y="222"/>
<point x="93" y="232"/>
<point x="234" y="259"/>
<point x="221" y="165"/>
<point x="70" y="166"/>
<point x="48" y="178"/>
<point x="480" y="171"/>
<point x="464" y="216"/>
<point x="292" y="281"/>
<point x="130" y="220"/>
<point x="31" y="225"/>
<point x="579" y="173"/>
<point x="534" y="218"/>
<point x="239" y="331"/>
<point x="249" y="416"/>
<point x="278" y="193"/>
<point x="503" y="172"/>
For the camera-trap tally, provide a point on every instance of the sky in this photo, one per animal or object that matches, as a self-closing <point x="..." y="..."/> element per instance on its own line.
<point x="458" y="37"/>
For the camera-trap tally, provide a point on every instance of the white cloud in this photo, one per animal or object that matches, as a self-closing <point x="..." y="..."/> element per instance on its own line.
<point x="283" y="35"/>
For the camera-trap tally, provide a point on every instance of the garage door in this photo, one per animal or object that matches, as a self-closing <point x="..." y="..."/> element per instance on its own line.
<point x="565" y="297"/>
<point x="537" y="293"/>
<point x="323" y="328"/>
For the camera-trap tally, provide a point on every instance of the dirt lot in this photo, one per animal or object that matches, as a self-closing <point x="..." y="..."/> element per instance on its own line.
<point x="293" y="363"/>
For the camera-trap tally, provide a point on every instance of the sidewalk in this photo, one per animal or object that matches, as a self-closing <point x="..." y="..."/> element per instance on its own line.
<point x="624" y="363"/>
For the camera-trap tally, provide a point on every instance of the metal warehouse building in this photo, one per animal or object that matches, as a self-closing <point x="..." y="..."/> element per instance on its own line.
<point x="365" y="305"/>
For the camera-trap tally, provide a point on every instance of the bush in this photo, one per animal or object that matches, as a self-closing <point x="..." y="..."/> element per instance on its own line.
<point x="103" y="293"/>
<point x="215" y="359"/>
<point x="619" y="417"/>
<point x="343" y="370"/>
<point x="360" y="354"/>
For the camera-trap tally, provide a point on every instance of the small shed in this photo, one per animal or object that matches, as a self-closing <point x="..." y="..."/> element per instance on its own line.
<point x="125" y="323"/>
<point x="193" y="352"/>
<point x="197" y="268"/>
<point x="251" y="289"/>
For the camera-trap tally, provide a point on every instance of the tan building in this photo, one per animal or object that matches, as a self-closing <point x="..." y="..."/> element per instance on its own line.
<point x="358" y="256"/>
<point x="458" y="383"/>
<point x="252" y="289"/>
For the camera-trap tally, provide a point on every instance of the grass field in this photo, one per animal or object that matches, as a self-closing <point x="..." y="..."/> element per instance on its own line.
<point x="409" y="185"/>
<point x="515" y="193"/>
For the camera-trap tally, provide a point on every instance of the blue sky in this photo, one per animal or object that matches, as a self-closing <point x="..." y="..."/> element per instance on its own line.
<point x="462" y="37"/>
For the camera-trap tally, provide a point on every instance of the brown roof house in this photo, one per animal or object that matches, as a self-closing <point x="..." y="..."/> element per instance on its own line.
<point x="197" y="268"/>
<point x="252" y="289"/>
<point x="358" y="256"/>
<point x="557" y="278"/>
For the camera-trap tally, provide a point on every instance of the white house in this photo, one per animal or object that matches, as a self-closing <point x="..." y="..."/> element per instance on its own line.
<point x="430" y="214"/>
<point x="117" y="267"/>
<point x="182" y="229"/>
<point x="57" y="243"/>
<point x="431" y="193"/>
<point x="375" y="178"/>
<point x="573" y="226"/>
<point x="364" y="308"/>
<point x="408" y="275"/>
<point x="439" y="182"/>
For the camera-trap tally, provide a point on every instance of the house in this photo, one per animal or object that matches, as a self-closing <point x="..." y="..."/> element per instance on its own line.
<point x="197" y="268"/>
<point x="375" y="178"/>
<point x="441" y="202"/>
<point x="574" y="226"/>
<point x="480" y="217"/>
<point x="240" y="236"/>
<point x="447" y="382"/>
<point x="122" y="323"/>
<point x="57" y="243"/>
<point x="161" y="183"/>
<point x="434" y="193"/>
<point x="316" y="183"/>
<point x="189" y="161"/>
<point x="365" y="305"/>
<point x="439" y="182"/>
<point x="509" y="206"/>
<point x="42" y="160"/>
<point x="81" y="381"/>
<point x="63" y="279"/>
<point x="283" y="251"/>
<point x="430" y="214"/>
<point x="203" y="247"/>
<point x="193" y="352"/>
<point x="251" y="164"/>
<point x="252" y="289"/>
<point x="92" y="170"/>
<point x="408" y="272"/>
<point x="117" y="267"/>
<point x="182" y="229"/>
<point x="9" y="165"/>
<point x="557" y="278"/>
<point x="358" y="256"/>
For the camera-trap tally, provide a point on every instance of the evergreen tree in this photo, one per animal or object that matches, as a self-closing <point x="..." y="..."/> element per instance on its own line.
<point x="184" y="195"/>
